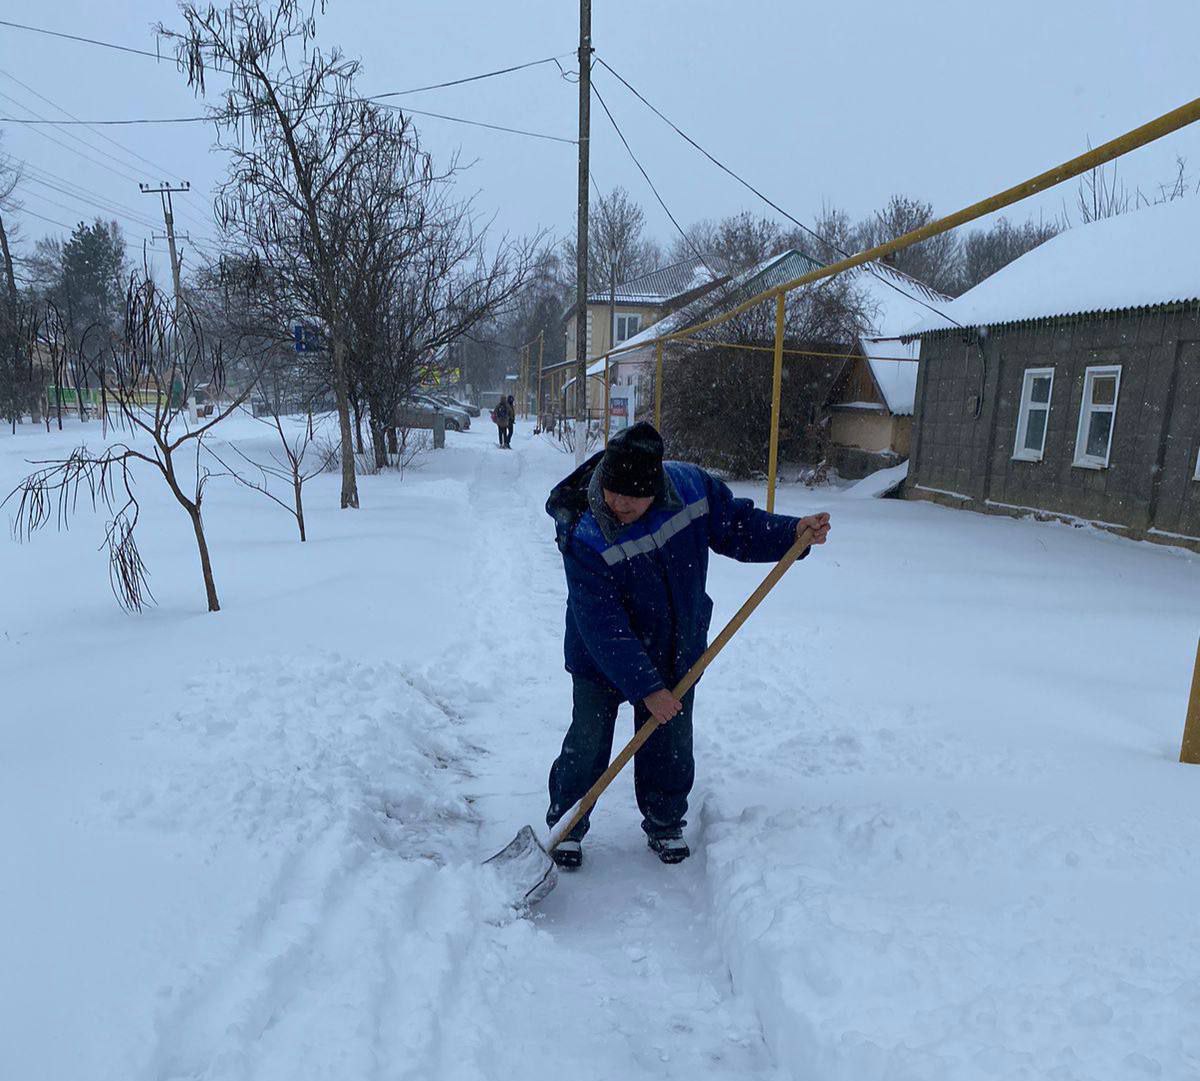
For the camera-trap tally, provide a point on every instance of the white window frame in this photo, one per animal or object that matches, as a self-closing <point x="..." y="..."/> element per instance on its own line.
<point x="617" y="339"/>
<point x="1196" y="474"/>
<point x="1020" y="452"/>
<point x="1086" y="408"/>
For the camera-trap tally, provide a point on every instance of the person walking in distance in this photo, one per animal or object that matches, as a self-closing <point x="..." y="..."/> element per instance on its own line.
<point x="512" y="420"/>
<point x="635" y="533"/>
<point x="502" y="415"/>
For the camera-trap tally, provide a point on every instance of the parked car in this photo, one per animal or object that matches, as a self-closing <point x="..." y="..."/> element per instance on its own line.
<point x="457" y="403"/>
<point x="420" y="409"/>
<point x="460" y="417"/>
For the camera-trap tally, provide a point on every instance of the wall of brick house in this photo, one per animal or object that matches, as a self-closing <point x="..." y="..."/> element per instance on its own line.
<point x="965" y="447"/>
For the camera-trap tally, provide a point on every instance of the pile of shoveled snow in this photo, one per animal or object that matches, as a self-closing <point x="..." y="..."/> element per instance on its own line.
<point x="284" y="748"/>
<point x="867" y="961"/>
<point x="878" y="484"/>
<point x="298" y="785"/>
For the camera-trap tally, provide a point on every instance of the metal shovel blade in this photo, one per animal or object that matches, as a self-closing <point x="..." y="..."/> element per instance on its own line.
<point x="525" y="868"/>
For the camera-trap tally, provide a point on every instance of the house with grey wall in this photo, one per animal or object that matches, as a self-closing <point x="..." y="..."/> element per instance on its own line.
<point x="1068" y="384"/>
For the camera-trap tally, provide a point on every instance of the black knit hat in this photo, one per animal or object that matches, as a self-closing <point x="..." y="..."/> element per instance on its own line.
<point x="632" y="464"/>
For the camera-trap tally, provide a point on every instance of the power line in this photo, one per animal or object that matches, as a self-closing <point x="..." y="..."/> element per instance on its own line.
<point x="161" y="169"/>
<point x="65" y="146"/>
<point x="85" y="40"/>
<point x="686" y="239"/>
<point x="41" y="175"/>
<point x="771" y="203"/>
<point x="471" y="78"/>
<point x="373" y="97"/>
<point x="125" y="175"/>
<point x="74" y="121"/>
<point x="201" y="119"/>
<point x="38" y="175"/>
<point x="482" y="124"/>
<point x="122" y="171"/>
<point x="97" y="203"/>
<point x="391" y="94"/>
<point x="35" y="214"/>
<point x="107" y="123"/>
<point x="70" y="209"/>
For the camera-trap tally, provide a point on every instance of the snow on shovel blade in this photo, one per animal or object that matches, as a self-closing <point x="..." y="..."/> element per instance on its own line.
<point x="525" y="868"/>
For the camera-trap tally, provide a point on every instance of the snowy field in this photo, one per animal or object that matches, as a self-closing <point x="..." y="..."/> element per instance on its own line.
<point x="940" y="831"/>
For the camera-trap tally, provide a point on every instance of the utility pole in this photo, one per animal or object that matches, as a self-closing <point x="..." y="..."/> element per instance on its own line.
<point x="163" y="191"/>
<point x="581" y="234"/>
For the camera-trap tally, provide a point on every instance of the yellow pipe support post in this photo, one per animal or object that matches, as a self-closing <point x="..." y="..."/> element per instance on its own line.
<point x="606" y="399"/>
<point x="1189" y="752"/>
<point x="776" y="395"/>
<point x="525" y="382"/>
<point x="537" y="412"/>
<point x="658" y="387"/>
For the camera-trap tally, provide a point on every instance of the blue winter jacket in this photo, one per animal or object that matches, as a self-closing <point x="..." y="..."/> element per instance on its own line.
<point x="637" y="612"/>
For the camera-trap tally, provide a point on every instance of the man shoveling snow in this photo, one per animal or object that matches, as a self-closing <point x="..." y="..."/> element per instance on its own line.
<point x="634" y="533"/>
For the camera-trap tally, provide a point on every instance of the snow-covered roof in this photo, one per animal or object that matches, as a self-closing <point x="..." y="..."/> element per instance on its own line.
<point x="896" y="379"/>
<point x="1140" y="259"/>
<point x="896" y="300"/>
<point x="779" y="268"/>
<point x="666" y="283"/>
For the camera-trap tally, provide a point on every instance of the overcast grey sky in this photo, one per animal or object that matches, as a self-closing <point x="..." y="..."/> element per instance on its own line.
<point x="845" y="103"/>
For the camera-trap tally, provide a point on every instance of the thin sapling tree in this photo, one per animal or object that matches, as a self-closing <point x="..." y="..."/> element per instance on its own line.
<point x="147" y="377"/>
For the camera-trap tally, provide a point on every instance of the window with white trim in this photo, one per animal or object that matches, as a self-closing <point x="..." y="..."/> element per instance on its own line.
<point x="1034" y="415"/>
<point x="627" y="327"/>
<point x="1097" y="416"/>
<point x="1196" y="475"/>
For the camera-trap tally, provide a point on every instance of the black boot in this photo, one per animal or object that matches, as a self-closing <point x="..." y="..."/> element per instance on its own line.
<point x="669" y="849"/>
<point x="568" y="855"/>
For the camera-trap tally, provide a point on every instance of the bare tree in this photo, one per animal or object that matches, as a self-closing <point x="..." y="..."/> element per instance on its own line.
<point x="148" y="377"/>
<point x="10" y="177"/>
<point x="296" y="136"/>
<point x="14" y="364"/>
<point x="615" y="234"/>
<point x="984" y="251"/>
<point x="717" y="395"/>
<point x="425" y="279"/>
<point x="734" y="243"/>
<point x="934" y="261"/>
<point x="301" y="458"/>
<point x="1177" y="187"/>
<point x="1102" y="194"/>
<point x="838" y="234"/>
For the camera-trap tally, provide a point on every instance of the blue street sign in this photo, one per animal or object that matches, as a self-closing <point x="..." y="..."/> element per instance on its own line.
<point x="307" y="339"/>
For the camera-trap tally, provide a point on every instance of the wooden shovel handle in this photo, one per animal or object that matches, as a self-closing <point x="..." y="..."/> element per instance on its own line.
<point x="565" y="825"/>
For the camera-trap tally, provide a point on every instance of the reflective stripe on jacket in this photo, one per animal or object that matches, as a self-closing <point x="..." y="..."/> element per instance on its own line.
<point x="637" y="611"/>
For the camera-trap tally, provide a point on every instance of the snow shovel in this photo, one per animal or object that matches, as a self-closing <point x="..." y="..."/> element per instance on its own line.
<point x="524" y="863"/>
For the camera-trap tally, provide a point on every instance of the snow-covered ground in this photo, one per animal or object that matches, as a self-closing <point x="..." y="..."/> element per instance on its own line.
<point x="940" y="831"/>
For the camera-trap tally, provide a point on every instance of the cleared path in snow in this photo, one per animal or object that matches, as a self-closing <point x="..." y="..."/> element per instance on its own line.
<point x="623" y="977"/>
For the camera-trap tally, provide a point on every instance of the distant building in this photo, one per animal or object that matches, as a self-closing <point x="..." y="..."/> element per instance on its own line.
<point x="869" y="409"/>
<point x="615" y="317"/>
<point x="872" y="400"/>
<point x="635" y="368"/>
<point x="1068" y="383"/>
